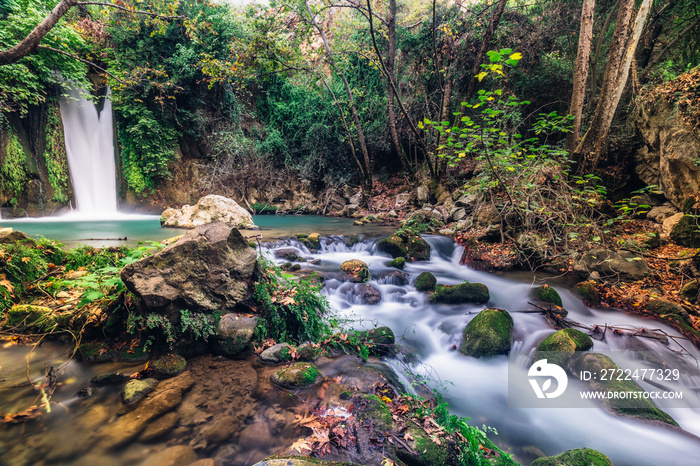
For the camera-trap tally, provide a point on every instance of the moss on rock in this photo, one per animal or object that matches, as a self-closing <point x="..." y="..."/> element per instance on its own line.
<point x="547" y="294"/>
<point x="426" y="281"/>
<point x="588" y="292"/>
<point x="488" y="334"/>
<point x="562" y="344"/>
<point x="373" y="409"/>
<point x="425" y="451"/>
<point x="577" y="457"/>
<point x="406" y="244"/>
<point x="687" y="232"/>
<point x="296" y="376"/>
<point x="136" y="390"/>
<point x="26" y="316"/>
<point x="398" y="263"/>
<point x="462" y="293"/>
<point x="357" y="270"/>
<point x="168" y="366"/>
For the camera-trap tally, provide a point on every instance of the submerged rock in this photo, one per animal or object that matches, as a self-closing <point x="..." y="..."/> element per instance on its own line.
<point x="168" y="366"/>
<point x="300" y="461"/>
<point x="276" y="354"/>
<point x="368" y="293"/>
<point x="209" y="209"/>
<point x="577" y="457"/>
<point x="296" y="376"/>
<point x="460" y="294"/>
<point x="488" y="334"/>
<point x="235" y="334"/>
<point x="562" y="344"/>
<point x="426" y="281"/>
<point x="136" y="390"/>
<point x="109" y="378"/>
<point x="208" y="269"/>
<point x="179" y="455"/>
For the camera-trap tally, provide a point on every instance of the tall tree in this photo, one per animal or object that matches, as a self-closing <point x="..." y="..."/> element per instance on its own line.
<point x="581" y="72"/>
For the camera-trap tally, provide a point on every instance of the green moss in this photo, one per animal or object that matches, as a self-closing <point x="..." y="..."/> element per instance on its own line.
<point x="55" y="157"/>
<point x="136" y="390"/>
<point x="488" y="334"/>
<point x="356" y="269"/>
<point x="14" y="172"/>
<point x="379" y="341"/>
<point x="168" y="366"/>
<point x="547" y="294"/>
<point x="577" y="457"/>
<point x="562" y="344"/>
<point x="296" y="376"/>
<point x="314" y="241"/>
<point x="394" y="246"/>
<point x="407" y="244"/>
<point x="640" y="408"/>
<point x="462" y="293"/>
<point x="398" y="263"/>
<point x="376" y="411"/>
<point x="426" y="281"/>
<point x="28" y="316"/>
<point x="351" y="240"/>
<point x="686" y="232"/>
<point x="588" y="291"/>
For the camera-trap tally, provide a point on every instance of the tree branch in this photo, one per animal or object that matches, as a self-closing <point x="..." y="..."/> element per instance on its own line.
<point x="75" y="57"/>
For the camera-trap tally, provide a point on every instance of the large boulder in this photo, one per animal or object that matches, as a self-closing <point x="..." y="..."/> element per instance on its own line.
<point x="488" y="334"/>
<point x="406" y="244"/>
<point x="208" y="209"/>
<point x="208" y="269"/>
<point x="461" y="293"/>
<point x="617" y="265"/>
<point x="562" y="344"/>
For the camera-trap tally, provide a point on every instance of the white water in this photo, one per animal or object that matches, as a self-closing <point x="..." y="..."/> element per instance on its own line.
<point x="480" y="386"/>
<point x="90" y="149"/>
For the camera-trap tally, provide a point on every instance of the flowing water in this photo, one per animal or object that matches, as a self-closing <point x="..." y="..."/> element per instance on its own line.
<point x="478" y="388"/>
<point x="89" y="141"/>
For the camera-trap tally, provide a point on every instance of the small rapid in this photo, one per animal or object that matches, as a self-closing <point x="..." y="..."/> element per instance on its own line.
<point x="478" y="388"/>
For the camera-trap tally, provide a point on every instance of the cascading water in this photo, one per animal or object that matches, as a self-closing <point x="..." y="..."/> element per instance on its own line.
<point x="90" y="148"/>
<point x="480" y="389"/>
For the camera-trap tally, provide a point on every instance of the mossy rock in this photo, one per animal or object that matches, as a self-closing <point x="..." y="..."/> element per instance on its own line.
<point x="425" y="452"/>
<point x="373" y="409"/>
<point x="640" y="408"/>
<point x="426" y="281"/>
<point x="100" y="351"/>
<point x="547" y="294"/>
<point x="690" y="291"/>
<point x="286" y="460"/>
<point x="488" y="334"/>
<point x="314" y="241"/>
<point x="168" y="366"/>
<point x="588" y="292"/>
<point x="460" y="294"/>
<point x="109" y="378"/>
<point x="562" y="344"/>
<point x="687" y="232"/>
<point x="27" y="316"/>
<point x="398" y="263"/>
<point x="394" y="246"/>
<point x="279" y="353"/>
<point x="577" y="457"/>
<point x="234" y="334"/>
<point x="651" y="239"/>
<point x="308" y="352"/>
<point x="663" y="308"/>
<point x="136" y="390"/>
<point x="405" y="244"/>
<point x="357" y="270"/>
<point x="380" y="340"/>
<point x="296" y="376"/>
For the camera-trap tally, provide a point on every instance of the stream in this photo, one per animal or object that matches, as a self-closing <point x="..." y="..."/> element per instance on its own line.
<point x="475" y="388"/>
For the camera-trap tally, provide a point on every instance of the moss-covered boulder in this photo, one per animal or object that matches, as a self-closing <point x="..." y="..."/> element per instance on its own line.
<point x="136" y="390"/>
<point x="373" y="409"/>
<point x="664" y="307"/>
<point x="168" y="366"/>
<point x="460" y="294"/>
<point x="314" y="241"/>
<point x="406" y="244"/>
<point x="629" y="405"/>
<point x="424" y="450"/>
<point x="686" y="232"/>
<point x="380" y="340"/>
<point x="488" y="334"/>
<point x="588" y="292"/>
<point x="234" y="334"/>
<point x="356" y="270"/>
<point x="690" y="291"/>
<point x="398" y="263"/>
<point x="279" y="353"/>
<point x="547" y="294"/>
<point x="426" y="281"/>
<point x="296" y="376"/>
<point x="577" y="457"/>
<point x="562" y="344"/>
<point x="29" y="316"/>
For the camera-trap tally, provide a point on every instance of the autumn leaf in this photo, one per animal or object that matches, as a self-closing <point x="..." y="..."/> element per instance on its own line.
<point x="300" y="445"/>
<point x="25" y="259"/>
<point x="7" y="284"/>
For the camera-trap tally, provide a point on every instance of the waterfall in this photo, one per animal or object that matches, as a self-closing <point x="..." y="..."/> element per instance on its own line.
<point x="90" y="149"/>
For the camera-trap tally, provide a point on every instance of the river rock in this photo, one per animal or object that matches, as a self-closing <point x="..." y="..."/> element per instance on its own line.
<point x="426" y="281"/>
<point x="665" y="308"/>
<point x="641" y="408"/>
<point x="209" y="209"/>
<point x="686" y="232"/>
<point x="160" y="427"/>
<point x="461" y="293"/>
<point x="276" y="354"/>
<point x="287" y="254"/>
<point x="547" y="295"/>
<point x="393" y="277"/>
<point x="235" y="334"/>
<point x="589" y="292"/>
<point x="8" y="235"/>
<point x="136" y="390"/>
<point x="296" y="376"/>
<point x="368" y="293"/>
<point x="300" y="461"/>
<point x="405" y="244"/>
<point x="109" y="378"/>
<point x="661" y="212"/>
<point x="167" y="366"/>
<point x="616" y="265"/>
<point x="210" y="268"/>
<point x="488" y="334"/>
<point x="398" y="263"/>
<point x="380" y="340"/>
<point x="179" y="455"/>
<point x="356" y="271"/>
<point x="577" y="457"/>
<point x="562" y="344"/>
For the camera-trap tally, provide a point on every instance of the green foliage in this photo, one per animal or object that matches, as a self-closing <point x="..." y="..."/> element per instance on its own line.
<point x="13" y="163"/>
<point x="262" y="208"/>
<point x="198" y="326"/>
<point x="55" y="156"/>
<point x="291" y="310"/>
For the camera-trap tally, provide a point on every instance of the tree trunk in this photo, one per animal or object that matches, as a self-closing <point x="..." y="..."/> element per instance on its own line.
<point x="390" y="62"/>
<point x="616" y="73"/>
<point x="578" y="95"/>
<point x="29" y="43"/>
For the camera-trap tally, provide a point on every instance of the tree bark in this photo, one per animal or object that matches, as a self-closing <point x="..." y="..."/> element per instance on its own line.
<point x="30" y="43"/>
<point x="617" y="70"/>
<point x="390" y="62"/>
<point x="583" y="54"/>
